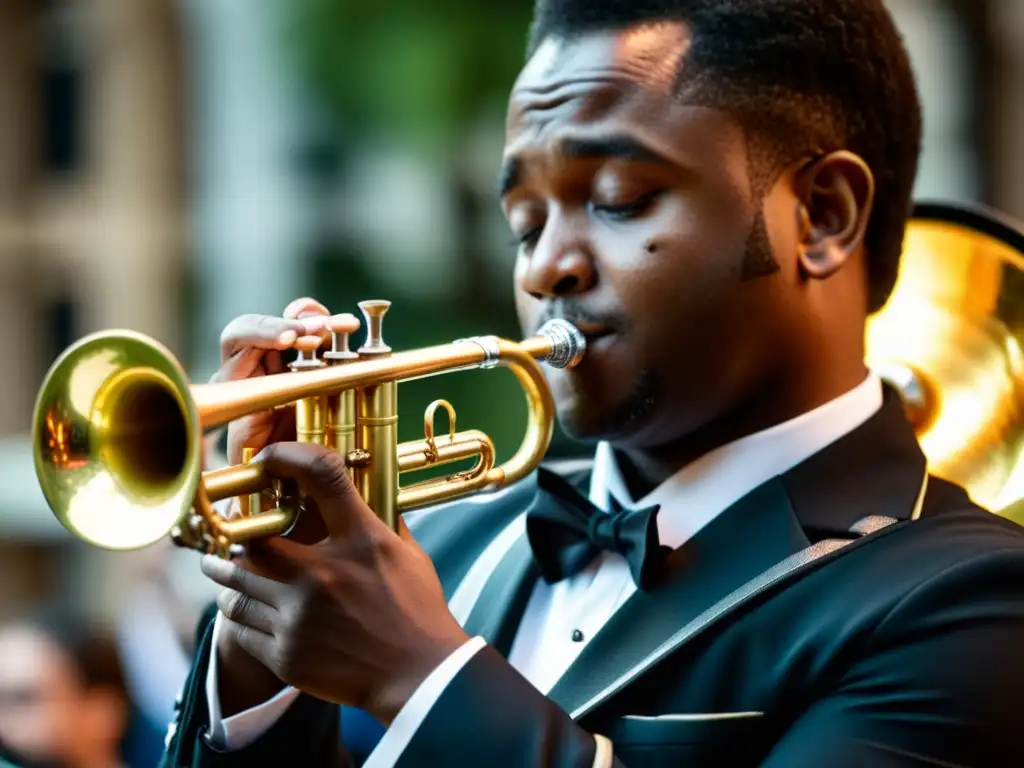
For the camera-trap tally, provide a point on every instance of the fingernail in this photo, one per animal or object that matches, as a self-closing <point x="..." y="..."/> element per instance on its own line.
<point x="288" y="337"/>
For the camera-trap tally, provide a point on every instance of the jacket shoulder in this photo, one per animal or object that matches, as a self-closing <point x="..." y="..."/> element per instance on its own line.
<point x="957" y="559"/>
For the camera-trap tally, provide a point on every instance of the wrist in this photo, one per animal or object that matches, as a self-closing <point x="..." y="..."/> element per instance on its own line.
<point x="396" y="692"/>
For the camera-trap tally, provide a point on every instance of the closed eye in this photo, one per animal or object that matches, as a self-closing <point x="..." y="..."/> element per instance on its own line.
<point x="630" y="210"/>
<point x="528" y="239"/>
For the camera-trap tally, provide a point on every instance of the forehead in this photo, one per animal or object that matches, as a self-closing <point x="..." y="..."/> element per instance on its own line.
<point x="621" y="82"/>
<point x="648" y="55"/>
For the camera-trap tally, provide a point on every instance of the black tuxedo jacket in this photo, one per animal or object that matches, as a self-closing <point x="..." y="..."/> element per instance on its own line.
<point x="902" y="647"/>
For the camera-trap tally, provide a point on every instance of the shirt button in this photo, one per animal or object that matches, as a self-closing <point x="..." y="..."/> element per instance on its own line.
<point x="577" y="636"/>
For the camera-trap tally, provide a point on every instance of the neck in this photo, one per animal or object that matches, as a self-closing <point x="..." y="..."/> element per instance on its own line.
<point x="644" y="469"/>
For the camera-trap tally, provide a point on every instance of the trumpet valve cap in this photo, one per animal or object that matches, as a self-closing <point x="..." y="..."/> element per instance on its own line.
<point x="344" y="323"/>
<point x="374" y="312"/>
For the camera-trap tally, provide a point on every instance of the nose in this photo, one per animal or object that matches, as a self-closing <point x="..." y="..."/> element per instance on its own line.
<point x="561" y="265"/>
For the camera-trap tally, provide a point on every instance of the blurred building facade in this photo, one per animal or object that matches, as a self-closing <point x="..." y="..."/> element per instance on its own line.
<point x="145" y="183"/>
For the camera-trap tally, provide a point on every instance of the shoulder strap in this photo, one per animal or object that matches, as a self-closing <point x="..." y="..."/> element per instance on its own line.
<point x="796" y="562"/>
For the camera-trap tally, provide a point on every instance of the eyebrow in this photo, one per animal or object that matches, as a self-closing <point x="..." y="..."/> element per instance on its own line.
<point x="619" y="146"/>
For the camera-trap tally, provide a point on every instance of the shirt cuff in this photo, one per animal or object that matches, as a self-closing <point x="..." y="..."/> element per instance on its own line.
<point x="241" y="730"/>
<point x="396" y="739"/>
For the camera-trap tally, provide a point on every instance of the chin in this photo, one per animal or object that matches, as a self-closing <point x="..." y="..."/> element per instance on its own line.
<point x="589" y="417"/>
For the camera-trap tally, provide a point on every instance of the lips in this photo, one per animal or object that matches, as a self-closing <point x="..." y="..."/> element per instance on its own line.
<point x="594" y="332"/>
<point x="591" y="330"/>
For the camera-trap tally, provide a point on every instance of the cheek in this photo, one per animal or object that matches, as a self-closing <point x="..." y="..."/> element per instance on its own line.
<point x="526" y="306"/>
<point x="673" y="263"/>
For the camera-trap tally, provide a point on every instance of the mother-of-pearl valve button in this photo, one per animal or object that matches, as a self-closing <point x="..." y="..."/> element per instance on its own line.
<point x="341" y="327"/>
<point x="307" y="347"/>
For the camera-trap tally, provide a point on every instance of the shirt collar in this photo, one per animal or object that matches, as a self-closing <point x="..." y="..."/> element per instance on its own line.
<point x="698" y="492"/>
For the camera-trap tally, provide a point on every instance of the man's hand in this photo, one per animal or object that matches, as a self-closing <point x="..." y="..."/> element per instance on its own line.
<point x="358" y="618"/>
<point x="253" y="346"/>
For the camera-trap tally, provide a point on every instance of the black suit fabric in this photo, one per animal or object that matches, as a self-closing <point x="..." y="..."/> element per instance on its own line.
<point x="899" y="648"/>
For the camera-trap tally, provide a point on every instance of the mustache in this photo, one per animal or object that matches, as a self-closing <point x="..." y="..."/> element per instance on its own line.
<point x="578" y="313"/>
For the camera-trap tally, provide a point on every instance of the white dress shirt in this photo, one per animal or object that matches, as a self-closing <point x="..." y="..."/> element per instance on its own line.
<point x="544" y="647"/>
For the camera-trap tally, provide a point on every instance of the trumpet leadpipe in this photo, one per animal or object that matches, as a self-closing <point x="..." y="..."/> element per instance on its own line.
<point x="557" y="343"/>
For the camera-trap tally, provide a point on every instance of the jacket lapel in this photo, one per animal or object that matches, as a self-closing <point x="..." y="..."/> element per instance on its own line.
<point x="500" y="607"/>
<point x="497" y="612"/>
<point x="876" y="470"/>
<point x="748" y="538"/>
<point x="456" y="535"/>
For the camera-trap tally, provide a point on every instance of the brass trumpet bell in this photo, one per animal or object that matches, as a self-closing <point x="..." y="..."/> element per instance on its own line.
<point x="116" y="444"/>
<point x="949" y="339"/>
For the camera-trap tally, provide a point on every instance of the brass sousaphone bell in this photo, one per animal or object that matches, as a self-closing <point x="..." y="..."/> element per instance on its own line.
<point x="949" y="339"/>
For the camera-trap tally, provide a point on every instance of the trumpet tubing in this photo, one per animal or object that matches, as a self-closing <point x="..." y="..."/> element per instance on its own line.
<point x="118" y="432"/>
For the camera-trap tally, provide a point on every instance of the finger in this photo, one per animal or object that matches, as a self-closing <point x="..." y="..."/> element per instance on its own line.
<point x="233" y="576"/>
<point x="245" y="611"/>
<point x="273" y="362"/>
<point x="244" y="364"/>
<point x="309" y="526"/>
<point x="305" y="307"/>
<point x="321" y="474"/>
<point x="315" y="325"/>
<point x="261" y="331"/>
<point x="403" y="531"/>
<point x="259" y="645"/>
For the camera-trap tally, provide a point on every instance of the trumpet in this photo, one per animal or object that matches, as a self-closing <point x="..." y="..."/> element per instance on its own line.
<point x="118" y="429"/>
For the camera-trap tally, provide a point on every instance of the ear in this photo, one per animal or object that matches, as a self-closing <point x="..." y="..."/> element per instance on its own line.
<point x="835" y="196"/>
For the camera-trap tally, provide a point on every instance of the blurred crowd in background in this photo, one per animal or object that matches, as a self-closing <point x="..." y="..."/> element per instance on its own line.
<point x="166" y="165"/>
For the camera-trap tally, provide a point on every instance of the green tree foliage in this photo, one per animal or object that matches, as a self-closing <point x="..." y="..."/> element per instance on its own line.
<point x="415" y="73"/>
<point x="411" y="70"/>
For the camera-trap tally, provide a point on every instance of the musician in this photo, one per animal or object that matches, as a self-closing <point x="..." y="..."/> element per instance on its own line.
<point x="756" y="567"/>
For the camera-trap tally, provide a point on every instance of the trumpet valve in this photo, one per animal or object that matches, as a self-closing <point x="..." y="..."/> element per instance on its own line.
<point x="307" y="347"/>
<point x="374" y="312"/>
<point x="341" y="327"/>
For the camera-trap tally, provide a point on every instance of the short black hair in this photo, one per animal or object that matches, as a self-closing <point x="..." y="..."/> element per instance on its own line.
<point x="802" y="77"/>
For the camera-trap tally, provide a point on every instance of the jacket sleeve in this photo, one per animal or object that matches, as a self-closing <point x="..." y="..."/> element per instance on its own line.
<point x="307" y="735"/>
<point x="490" y="715"/>
<point x="941" y="682"/>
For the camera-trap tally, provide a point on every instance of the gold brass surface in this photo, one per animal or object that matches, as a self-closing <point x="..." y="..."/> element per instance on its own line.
<point x="118" y="433"/>
<point x="377" y="434"/>
<point x="949" y="340"/>
<point x="115" y="440"/>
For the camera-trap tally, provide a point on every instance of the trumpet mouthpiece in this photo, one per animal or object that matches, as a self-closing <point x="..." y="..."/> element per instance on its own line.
<point x="568" y="345"/>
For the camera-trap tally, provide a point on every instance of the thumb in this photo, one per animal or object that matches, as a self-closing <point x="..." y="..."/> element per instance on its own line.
<point x="321" y="474"/>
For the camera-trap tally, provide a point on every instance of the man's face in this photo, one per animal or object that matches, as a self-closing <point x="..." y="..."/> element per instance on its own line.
<point x="635" y="212"/>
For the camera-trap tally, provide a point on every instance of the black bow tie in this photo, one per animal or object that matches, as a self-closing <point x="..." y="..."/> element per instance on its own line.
<point x="566" y="532"/>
